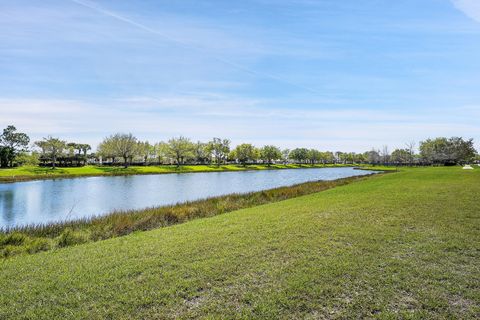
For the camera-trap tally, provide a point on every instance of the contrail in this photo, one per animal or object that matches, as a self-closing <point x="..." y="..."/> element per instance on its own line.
<point x="187" y="45"/>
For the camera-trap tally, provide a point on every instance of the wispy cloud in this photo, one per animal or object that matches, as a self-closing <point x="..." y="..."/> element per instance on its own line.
<point x="191" y="46"/>
<point x="240" y="119"/>
<point x="469" y="7"/>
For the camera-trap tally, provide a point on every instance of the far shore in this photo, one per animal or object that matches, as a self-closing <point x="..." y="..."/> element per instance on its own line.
<point x="29" y="173"/>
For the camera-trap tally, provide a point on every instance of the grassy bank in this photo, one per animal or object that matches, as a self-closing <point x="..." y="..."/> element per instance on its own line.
<point x="402" y="245"/>
<point x="33" y="239"/>
<point x="38" y="173"/>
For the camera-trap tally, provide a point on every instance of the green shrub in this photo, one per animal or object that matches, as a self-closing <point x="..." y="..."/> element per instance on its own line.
<point x="14" y="239"/>
<point x="69" y="238"/>
<point x="10" y="250"/>
<point x="6" y="252"/>
<point x="101" y="232"/>
<point x="38" y="245"/>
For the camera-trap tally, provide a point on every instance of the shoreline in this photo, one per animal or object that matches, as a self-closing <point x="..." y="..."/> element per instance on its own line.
<point x="159" y="170"/>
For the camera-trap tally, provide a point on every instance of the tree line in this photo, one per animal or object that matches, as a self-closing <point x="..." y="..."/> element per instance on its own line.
<point x="125" y="149"/>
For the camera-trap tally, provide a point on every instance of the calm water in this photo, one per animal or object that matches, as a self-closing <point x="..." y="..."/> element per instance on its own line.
<point x="67" y="199"/>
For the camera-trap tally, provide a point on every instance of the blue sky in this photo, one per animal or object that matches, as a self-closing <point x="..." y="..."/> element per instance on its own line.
<point x="334" y="75"/>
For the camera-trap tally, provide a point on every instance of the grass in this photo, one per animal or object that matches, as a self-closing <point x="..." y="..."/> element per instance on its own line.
<point x="403" y="245"/>
<point x="27" y="173"/>
<point x="36" y="238"/>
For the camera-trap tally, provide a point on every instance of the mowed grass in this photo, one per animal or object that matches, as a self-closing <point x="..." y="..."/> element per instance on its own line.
<point x="403" y="245"/>
<point x="32" y="173"/>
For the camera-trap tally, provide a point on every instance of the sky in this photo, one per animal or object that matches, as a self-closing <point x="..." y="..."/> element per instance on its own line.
<point x="333" y="75"/>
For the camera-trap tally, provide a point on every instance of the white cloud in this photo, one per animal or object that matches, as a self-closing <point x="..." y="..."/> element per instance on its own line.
<point x="240" y="119"/>
<point x="471" y="8"/>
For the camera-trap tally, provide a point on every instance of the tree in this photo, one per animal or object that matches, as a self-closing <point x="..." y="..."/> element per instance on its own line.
<point x="462" y="150"/>
<point x="219" y="149"/>
<point x="180" y="149"/>
<point x="6" y="156"/>
<point x="477" y="158"/>
<point x="411" y="151"/>
<point x="348" y="157"/>
<point x="360" y="158"/>
<point x="372" y="156"/>
<point x="327" y="157"/>
<point x="385" y="154"/>
<point x="106" y="150"/>
<point x="84" y="148"/>
<point x="51" y="148"/>
<point x="270" y="153"/>
<point x="314" y="156"/>
<point x="161" y="150"/>
<point x="435" y="151"/>
<point x="11" y="144"/>
<point x="202" y="155"/>
<point x="447" y="151"/>
<point x="351" y="157"/>
<point x="28" y="159"/>
<point x="299" y="154"/>
<point x="123" y="145"/>
<point x="338" y="156"/>
<point x="71" y="147"/>
<point x="285" y="155"/>
<point x="401" y="156"/>
<point x="245" y="152"/>
<point x="145" y="150"/>
<point x="345" y="157"/>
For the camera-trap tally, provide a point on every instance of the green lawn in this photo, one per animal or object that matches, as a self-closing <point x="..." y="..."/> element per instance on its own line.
<point x="403" y="245"/>
<point x="30" y="173"/>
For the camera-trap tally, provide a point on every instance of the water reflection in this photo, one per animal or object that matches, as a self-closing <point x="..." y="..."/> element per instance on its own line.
<point x="6" y="200"/>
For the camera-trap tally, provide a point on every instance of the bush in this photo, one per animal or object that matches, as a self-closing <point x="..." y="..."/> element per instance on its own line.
<point x="14" y="239"/>
<point x="38" y="245"/>
<point x="27" y="159"/>
<point x="101" y="232"/>
<point x="10" y="250"/>
<point x="69" y="238"/>
<point x="6" y="252"/>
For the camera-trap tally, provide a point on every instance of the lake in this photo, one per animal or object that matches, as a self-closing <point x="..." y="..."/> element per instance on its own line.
<point x="45" y="201"/>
